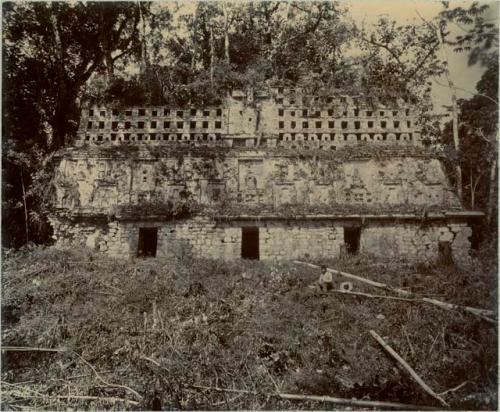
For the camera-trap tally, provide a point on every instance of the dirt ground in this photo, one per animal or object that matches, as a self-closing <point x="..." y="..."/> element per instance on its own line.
<point x="164" y="333"/>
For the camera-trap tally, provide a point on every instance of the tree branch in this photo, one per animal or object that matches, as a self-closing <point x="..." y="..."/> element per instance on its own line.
<point x="120" y="55"/>
<point x="421" y="63"/>
<point x="432" y="26"/>
<point x="311" y="29"/>
<point x="118" y="32"/>
<point x="127" y="43"/>
<point x="466" y="91"/>
<point x="386" y="47"/>
<point x="87" y="73"/>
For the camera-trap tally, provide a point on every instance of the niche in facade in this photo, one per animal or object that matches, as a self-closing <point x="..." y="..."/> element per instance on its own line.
<point x="148" y="242"/>
<point x="250" y="174"/>
<point x="250" y="243"/>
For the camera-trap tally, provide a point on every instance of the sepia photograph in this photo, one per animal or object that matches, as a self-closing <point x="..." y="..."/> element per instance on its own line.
<point x="249" y="205"/>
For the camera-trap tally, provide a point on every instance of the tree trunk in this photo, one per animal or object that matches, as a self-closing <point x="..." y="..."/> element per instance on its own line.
<point x="105" y="44"/>
<point x="212" y="55"/>
<point x="65" y="110"/>
<point x="226" y="32"/>
<point x="25" y="208"/>
<point x="144" y="52"/>
<point x="491" y="194"/>
<point x="57" y="38"/>
<point x="108" y="61"/>
<point x="195" y="25"/>
<point x="454" y="112"/>
<point x="472" y="190"/>
<point x="58" y="121"/>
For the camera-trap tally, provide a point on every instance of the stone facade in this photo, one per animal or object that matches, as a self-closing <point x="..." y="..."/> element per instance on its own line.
<point x="276" y="117"/>
<point x="278" y="174"/>
<point x="277" y="239"/>
<point x="401" y="180"/>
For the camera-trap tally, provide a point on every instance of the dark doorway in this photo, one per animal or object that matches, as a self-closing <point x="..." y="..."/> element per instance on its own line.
<point x="250" y="243"/>
<point x="445" y="254"/>
<point x="351" y="239"/>
<point x="148" y="240"/>
<point x="478" y="232"/>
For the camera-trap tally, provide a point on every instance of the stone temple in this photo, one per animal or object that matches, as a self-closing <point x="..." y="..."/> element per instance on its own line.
<point x="274" y="174"/>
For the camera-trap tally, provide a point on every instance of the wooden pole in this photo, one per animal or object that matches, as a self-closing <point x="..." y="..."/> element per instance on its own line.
<point x="17" y="394"/>
<point x="369" y="295"/>
<point x="408" y="368"/>
<point x="329" y="399"/>
<point x="482" y="313"/>
<point x="359" y="278"/>
<point x="355" y="402"/>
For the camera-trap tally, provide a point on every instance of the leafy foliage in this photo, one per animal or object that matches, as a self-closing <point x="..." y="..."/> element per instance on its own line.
<point x="478" y="121"/>
<point x="168" y="210"/>
<point x="126" y="54"/>
<point x="400" y="60"/>
<point x="480" y="40"/>
<point x="50" y="50"/>
<point x="478" y="146"/>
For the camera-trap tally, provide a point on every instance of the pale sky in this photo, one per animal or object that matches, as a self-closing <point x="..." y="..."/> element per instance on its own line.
<point x="404" y="11"/>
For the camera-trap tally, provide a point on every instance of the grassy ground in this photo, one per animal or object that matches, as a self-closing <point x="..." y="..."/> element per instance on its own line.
<point x="154" y="332"/>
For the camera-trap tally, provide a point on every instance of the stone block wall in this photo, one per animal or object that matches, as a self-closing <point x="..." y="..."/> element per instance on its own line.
<point x="101" y="125"/>
<point x="415" y="241"/>
<point x="277" y="239"/>
<point x="284" y="117"/>
<point x="300" y="239"/>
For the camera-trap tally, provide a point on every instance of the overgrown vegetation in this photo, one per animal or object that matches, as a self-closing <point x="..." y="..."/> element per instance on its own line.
<point x="193" y="55"/>
<point x="158" y="331"/>
<point x="180" y="209"/>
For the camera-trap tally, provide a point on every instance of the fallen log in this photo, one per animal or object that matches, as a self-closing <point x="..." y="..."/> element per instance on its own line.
<point x="328" y="399"/>
<point x="217" y="389"/>
<point x="359" y="278"/>
<point x="30" y="349"/>
<point x="368" y="295"/>
<point x="408" y="368"/>
<point x="17" y="394"/>
<point x="355" y="402"/>
<point x="482" y="313"/>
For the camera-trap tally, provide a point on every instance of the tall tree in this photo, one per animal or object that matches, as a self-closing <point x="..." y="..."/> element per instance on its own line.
<point x="480" y="41"/>
<point x="50" y="50"/>
<point x="478" y="128"/>
<point x="399" y="60"/>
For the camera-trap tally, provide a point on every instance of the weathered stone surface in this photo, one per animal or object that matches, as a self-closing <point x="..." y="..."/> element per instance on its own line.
<point x="101" y="185"/>
<point x="301" y="172"/>
<point x="277" y="240"/>
<point x="273" y="118"/>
